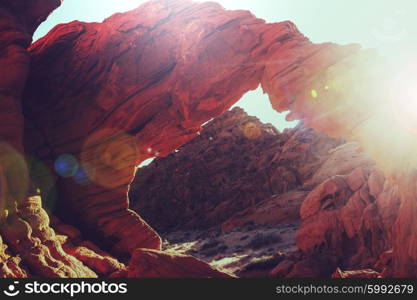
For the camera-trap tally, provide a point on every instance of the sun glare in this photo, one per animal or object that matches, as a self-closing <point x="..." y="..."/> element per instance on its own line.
<point x="404" y="96"/>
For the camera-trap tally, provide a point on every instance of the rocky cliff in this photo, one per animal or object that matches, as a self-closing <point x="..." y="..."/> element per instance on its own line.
<point x="239" y="171"/>
<point x="89" y="101"/>
<point x="235" y="163"/>
<point x="139" y="85"/>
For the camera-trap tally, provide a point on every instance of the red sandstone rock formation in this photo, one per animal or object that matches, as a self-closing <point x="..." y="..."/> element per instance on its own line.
<point x="347" y="220"/>
<point x="141" y="83"/>
<point x="85" y="251"/>
<point x="11" y="265"/>
<point x="347" y="206"/>
<point x="279" y="209"/>
<point x="236" y="163"/>
<point x="24" y="224"/>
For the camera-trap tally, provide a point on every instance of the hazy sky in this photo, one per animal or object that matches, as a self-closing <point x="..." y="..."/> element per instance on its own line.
<point x="388" y="25"/>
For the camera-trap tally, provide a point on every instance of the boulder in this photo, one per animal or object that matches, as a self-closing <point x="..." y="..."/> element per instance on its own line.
<point x="147" y="263"/>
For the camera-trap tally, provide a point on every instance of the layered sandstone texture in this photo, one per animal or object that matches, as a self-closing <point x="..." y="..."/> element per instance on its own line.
<point x="99" y="98"/>
<point x="30" y="244"/>
<point x="240" y="171"/>
<point x="140" y="84"/>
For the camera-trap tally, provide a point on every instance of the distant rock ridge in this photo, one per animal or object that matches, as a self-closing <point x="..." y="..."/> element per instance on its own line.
<point x="239" y="171"/>
<point x="235" y="163"/>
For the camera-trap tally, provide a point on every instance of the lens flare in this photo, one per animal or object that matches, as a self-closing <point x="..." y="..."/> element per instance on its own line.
<point x="44" y="180"/>
<point x="251" y="130"/>
<point x="66" y="165"/>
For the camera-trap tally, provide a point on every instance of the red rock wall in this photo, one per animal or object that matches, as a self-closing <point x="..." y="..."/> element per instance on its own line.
<point x="240" y="170"/>
<point x="29" y="246"/>
<point x="18" y="21"/>
<point x="19" y="229"/>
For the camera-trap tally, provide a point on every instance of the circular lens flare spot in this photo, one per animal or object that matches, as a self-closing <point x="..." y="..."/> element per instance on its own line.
<point x="66" y="165"/>
<point x="314" y="94"/>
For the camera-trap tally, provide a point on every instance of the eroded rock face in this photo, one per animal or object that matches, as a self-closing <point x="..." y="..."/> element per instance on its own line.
<point x="86" y="252"/>
<point x="24" y="224"/>
<point x="343" y="202"/>
<point x="235" y="169"/>
<point x="366" y="273"/>
<point x="11" y="265"/>
<point x="278" y="209"/>
<point x="18" y="21"/>
<point x="59" y="250"/>
<point x="28" y="233"/>
<point x="346" y="220"/>
<point x="140" y="84"/>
